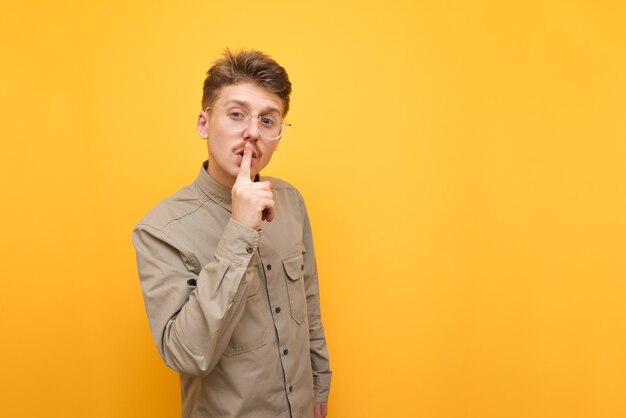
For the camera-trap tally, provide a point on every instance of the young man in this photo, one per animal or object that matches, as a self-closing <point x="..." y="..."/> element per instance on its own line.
<point x="227" y="265"/>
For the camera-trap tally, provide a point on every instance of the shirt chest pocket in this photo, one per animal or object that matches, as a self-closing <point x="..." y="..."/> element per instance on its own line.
<point x="294" y="268"/>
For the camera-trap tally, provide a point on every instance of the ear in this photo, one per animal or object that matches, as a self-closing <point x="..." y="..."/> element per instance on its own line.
<point x="203" y="125"/>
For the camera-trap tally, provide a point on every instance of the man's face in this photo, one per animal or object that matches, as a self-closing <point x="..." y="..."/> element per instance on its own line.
<point x="225" y="144"/>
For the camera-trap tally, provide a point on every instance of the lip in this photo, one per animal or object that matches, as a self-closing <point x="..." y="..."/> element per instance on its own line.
<point x="239" y="154"/>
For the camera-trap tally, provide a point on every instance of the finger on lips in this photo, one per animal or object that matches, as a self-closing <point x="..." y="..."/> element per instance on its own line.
<point x="257" y="195"/>
<point x="244" y="168"/>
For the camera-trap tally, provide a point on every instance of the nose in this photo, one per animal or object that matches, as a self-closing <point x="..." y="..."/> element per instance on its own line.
<point x="252" y="133"/>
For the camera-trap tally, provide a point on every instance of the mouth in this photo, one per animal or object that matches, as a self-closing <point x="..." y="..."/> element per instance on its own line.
<point x="240" y="153"/>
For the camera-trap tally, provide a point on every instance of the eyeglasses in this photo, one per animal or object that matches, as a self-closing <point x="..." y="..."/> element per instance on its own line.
<point x="236" y="118"/>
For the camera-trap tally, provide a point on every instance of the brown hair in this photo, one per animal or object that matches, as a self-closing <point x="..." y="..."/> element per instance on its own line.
<point x="252" y="66"/>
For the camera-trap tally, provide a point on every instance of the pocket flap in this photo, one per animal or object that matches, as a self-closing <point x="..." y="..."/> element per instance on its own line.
<point x="294" y="266"/>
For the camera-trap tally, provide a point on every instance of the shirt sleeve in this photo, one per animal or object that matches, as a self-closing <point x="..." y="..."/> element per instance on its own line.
<point x="192" y="317"/>
<point x="319" y="350"/>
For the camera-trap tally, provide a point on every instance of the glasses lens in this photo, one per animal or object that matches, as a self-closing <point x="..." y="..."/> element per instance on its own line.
<point x="270" y="126"/>
<point x="235" y="117"/>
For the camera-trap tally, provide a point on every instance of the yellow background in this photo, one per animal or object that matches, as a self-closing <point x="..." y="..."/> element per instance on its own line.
<point x="463" y="164"/>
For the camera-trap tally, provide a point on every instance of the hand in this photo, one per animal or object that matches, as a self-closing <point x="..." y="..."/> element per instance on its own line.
<point x="252" y="202"/>
<point x="320" y="409"/>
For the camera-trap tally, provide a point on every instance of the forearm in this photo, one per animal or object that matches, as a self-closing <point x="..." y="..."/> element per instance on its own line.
<point x="196" y="337"/>
<point x="193" y="316"/>
<point x="318" y="348"/>
<point x="319" y="358"/>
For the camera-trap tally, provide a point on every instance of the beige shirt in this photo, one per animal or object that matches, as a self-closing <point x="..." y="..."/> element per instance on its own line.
<point x="235" y="311"/>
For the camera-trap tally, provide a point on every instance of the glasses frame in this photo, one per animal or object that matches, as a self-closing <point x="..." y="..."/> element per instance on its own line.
<point x="283" y="123"/>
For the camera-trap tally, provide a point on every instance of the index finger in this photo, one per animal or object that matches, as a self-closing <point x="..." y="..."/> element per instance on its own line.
<point x="244" y="168"/>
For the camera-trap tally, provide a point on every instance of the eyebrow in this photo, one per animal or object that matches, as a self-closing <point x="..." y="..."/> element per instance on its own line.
<point x="268" y="109"/>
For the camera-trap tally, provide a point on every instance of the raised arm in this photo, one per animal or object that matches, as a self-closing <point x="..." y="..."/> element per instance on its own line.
<point x="192" y="317"/>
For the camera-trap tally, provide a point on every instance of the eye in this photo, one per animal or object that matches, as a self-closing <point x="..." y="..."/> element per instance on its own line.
<point x="237" y="114"/>
<point x="267" y="121"/>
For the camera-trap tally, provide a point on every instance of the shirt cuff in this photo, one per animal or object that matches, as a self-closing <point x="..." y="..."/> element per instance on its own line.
<point x="238" y="243"/>
<point x="321" y="386"/>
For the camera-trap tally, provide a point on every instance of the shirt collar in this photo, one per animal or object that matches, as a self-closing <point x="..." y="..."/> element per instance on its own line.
<point x="215" y="191"/>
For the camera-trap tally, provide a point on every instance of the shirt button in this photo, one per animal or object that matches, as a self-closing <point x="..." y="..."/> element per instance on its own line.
<point x="301" y="266"/>
<point x="269" y="266"/>
<point x="285" y="351"/>
<point x="250" y="250"/>
<point x="290" y="388"/>
<point x="277" y="310"/>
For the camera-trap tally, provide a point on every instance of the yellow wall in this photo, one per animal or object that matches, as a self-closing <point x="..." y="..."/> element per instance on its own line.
<point x="463" y="163"/>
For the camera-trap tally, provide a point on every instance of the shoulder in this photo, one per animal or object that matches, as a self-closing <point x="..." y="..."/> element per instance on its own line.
<point x="282" y="187"/>
<point x="280" y="184"/>
<point x="287" y="194"/>
<point x="181" y="204"/>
